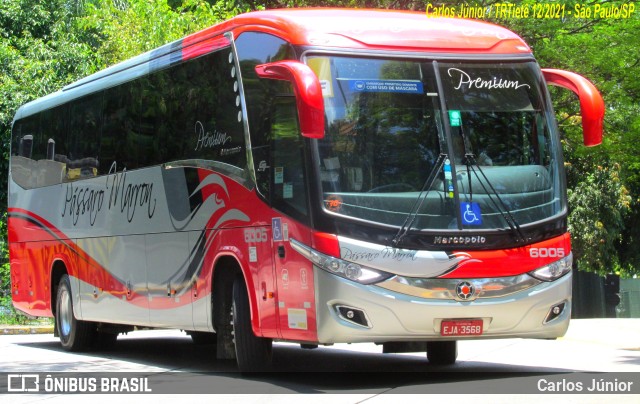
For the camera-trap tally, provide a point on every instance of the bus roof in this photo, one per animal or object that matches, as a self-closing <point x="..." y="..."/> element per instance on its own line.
<point x="380" y="29"/>
<point x="374" y="30"/>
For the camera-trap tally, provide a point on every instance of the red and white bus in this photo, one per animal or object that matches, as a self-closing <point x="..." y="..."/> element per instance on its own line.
<point x="314" y="176"/>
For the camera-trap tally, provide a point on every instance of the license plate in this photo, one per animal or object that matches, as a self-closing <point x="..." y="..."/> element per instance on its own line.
<point x="461" y="327"/>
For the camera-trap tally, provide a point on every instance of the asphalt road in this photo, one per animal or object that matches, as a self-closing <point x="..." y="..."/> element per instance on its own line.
<point x="348" y="373"/>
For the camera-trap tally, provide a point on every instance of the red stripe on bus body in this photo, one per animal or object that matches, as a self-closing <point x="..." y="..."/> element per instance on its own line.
<point x="41" y="255"/>
<point x="511" y="261"/>
<point x="195" y="46"/>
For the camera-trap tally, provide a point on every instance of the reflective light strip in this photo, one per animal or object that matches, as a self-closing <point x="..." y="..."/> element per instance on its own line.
<point x="194" y="46"/>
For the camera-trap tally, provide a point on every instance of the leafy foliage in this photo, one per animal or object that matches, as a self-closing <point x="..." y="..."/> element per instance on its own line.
<point x="124" y="29"/>
<point x="5" y="281"/>
<point x="599" y="204"/>
<point x="38" y="55"/>
<point x="604" y="182"/>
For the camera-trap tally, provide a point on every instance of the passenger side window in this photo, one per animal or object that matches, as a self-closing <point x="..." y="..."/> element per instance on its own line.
<point x="213" y="120"/>
<point x="189" y="112"/>
<point x="85" y="130"/>
<point x="118" y="144"/>
<point x="288" y="172"/>
<point x="276" y="144"/>
<point x="39" y="153"/>
<point x="25" y="152"/>
<point x="54" y="134"/>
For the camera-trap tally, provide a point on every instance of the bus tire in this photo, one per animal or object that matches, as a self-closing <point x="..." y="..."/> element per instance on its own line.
<point x="252" y="353"/>
<point x="442" y="352"/>
<point x="75" y="335"/>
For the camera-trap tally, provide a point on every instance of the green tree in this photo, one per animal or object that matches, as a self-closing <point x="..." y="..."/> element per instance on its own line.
<point x="605" y="50"/>
<point x="125" y="28"/>
<point x="598" y="206"/>
<point x="5" y="278"/>
<point x="39" y="54"/>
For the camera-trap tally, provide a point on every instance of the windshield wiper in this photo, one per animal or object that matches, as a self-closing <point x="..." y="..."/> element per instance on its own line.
<point x="417" y="204"/>
<point x="470" y="161"/>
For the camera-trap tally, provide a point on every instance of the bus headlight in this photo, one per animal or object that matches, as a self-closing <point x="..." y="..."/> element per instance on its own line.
<point x="342" y="268"/>
<point x="554" y="270"/>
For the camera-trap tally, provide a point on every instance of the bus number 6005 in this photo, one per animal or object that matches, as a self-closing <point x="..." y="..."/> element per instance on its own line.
<point x="546" y="252"/>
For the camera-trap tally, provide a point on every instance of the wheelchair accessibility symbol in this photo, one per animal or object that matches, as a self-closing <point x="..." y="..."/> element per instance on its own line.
<point x="471" y="214"/>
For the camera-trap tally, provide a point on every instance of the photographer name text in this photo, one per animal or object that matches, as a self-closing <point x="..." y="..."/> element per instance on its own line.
<point x="595" y="385"/>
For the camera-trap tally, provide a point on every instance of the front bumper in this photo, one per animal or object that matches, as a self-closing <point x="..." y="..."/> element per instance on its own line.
<point x="393" y="316"/>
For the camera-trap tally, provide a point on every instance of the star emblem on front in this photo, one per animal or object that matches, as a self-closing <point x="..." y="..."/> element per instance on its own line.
<point x="465" y="290"/>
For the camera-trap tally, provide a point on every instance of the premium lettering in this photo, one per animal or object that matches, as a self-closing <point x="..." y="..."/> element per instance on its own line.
<point x="480" y="83"/>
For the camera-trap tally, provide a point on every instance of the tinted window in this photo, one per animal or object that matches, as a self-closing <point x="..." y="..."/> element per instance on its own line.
<point x="85" y="128"/>
<point x="254" y="49"/>
<point x="392" y="155"/>
<point x="210" y="108"/>
<point x="29" y="144"/>
<point x="119" y="141"/>
<point x="39" y="150"/>
<point x="289" y="185"/>
<point x="189" y="112"/>
<point x="53" y="131"/>
<point x="26" y="138"/>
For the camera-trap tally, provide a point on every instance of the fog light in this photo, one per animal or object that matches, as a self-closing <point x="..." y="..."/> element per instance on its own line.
<point x="353" y="315"/>
<point x="555" y="312"/>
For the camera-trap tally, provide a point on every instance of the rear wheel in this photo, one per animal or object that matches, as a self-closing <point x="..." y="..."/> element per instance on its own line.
<point x="442" y="352"/>
<point x="252" y="353"/>
<point x="75" y="335"/>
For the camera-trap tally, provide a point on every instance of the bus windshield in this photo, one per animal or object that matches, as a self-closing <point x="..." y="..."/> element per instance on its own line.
<point x="459" y="145"/>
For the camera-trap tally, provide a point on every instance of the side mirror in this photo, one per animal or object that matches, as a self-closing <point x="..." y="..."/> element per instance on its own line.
<point x="591" y="103"/>
<point x="307" y="90"/>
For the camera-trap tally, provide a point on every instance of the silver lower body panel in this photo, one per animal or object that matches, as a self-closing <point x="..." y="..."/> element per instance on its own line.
<point x="393" y="316"/>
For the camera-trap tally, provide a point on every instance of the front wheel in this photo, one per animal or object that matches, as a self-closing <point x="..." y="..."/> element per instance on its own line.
<point x="442" y="352"/>
<point x="253" y="353"/>
<point x="75" y="335"/>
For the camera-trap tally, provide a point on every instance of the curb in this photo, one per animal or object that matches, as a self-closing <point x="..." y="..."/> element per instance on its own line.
<point x="25" y="329"/>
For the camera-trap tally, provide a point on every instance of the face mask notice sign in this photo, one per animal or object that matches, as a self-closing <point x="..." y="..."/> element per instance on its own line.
<point x="386" y="86"/>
